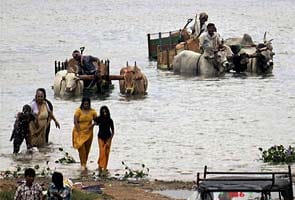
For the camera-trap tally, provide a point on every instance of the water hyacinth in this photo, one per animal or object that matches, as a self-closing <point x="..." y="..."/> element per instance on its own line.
<point x="278" y="154"/>
<point x="18" y="171"/>
<point x="132" y="173"/>
<point x="66" y="159"/>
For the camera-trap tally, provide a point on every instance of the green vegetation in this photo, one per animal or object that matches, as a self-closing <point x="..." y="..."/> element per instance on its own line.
<point x="18" y="172"/>
<point x="41" y="171"/>
<point x="132" y="173"/>
<point x="78" y="195"/>
<point x="278" y="154"/>
<point x="67" y="159"/>
<point x="7" y="195"/>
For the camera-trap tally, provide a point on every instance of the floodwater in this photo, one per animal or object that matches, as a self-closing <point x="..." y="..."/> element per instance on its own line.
<point x="184" y="123"/>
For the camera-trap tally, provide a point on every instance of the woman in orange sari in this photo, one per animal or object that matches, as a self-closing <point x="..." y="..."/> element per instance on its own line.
<point x="83" y="130"/>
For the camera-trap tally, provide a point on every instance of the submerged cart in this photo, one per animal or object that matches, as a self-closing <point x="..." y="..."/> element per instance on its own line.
<point x="161" y="47"/>
<point x="245" y="185"/>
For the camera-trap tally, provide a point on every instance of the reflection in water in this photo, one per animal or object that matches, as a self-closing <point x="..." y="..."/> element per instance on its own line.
<point x="183" y="123"/>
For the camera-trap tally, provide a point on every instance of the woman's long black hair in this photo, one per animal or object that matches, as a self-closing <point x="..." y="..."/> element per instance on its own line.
<point x="104" y="108"/>
<point x="85" y="99"/>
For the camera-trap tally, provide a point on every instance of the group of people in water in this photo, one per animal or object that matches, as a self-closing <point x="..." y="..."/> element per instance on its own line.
<point x="33" y="126"/>
<point x="33" y="123"/>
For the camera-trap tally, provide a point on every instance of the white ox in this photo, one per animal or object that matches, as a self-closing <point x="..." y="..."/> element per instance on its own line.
<point x="67" y="84"/>
<point x="194" y="64"/>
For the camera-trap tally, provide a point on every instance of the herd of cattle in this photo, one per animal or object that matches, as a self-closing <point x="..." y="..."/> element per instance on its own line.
<point x="247" y="57"/>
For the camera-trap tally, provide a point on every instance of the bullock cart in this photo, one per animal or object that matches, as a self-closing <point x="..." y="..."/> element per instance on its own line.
<point x="244" y="185"/>
<point x="162" y="45"/>
<point x="162" y="40"/>
<point x="103" y="81"/>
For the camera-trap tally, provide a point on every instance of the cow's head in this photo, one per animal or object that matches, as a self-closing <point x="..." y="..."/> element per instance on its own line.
<point x="264" y="56"/>
<point x="131" y="75"/>
<point x="71" y="80"/>
<point x="220" y="61"/>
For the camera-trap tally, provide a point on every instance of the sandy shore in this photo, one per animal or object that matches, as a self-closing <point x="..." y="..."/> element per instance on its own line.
<point x="114" y="188"/>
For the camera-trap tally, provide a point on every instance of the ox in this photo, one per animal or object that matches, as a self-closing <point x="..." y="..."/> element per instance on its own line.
<point x="67" y="84"/>
<point x="133" y="81"/>
<point x="192" y="63"/>
<point x="255" y="59"/>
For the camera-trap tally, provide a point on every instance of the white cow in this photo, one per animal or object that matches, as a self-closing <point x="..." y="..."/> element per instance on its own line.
<point x="195" y="64"/>
<point x="67" y="84"/>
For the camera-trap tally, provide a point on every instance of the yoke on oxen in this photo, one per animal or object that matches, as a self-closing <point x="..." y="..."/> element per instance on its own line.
<point x="251" y="57"/>
<point x="99" y="82"/>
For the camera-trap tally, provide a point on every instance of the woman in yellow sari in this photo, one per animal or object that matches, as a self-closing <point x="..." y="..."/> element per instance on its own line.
<point x="83" y="130"/>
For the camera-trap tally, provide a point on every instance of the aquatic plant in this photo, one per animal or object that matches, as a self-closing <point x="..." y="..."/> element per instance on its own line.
<point x="66" y="159"/>
<point x="278" y="154"/>
<point x="133" y="173"/>
<point x="18" y="171"/>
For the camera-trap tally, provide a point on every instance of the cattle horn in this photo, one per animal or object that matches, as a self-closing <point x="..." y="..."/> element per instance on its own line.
<point x="127" y="64"/>
<point x="264" y="37"/>
<point x="82" y="49"/>
<point x="135" y="63"/>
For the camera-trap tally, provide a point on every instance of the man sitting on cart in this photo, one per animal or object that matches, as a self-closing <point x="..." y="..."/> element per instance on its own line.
<point x="88" y="65"/>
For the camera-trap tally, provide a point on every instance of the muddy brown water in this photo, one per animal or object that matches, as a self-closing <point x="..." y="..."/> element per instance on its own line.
<point x="183" y="123"/>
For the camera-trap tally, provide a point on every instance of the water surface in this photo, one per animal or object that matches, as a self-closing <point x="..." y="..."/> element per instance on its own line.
<point x="183" y="123"/>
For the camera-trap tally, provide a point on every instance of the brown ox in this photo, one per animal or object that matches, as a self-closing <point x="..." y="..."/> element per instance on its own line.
<point x="133" y="81"/>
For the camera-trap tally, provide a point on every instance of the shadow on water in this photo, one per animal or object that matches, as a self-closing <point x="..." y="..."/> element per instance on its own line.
<point x="128" y="98"/>
<point x="93" y="93"/>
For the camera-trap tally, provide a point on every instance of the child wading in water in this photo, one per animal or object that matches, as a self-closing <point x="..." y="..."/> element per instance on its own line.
<point x="105" y="136"/>
<point x="21" y="128"/>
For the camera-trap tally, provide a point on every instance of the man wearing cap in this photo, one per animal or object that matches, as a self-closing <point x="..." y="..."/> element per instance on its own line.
<point x="200" y="25"/>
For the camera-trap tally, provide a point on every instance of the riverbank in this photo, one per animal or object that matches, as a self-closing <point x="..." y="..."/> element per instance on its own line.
<point x="111" y="188"/>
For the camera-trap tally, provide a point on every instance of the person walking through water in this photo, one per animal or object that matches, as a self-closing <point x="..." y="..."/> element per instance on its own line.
<point x="21" y="129"/>
<point x="105" y="135"/>
<point x="82" y="134"/>
<point x="50" y="106"/>
<point x="42" y="111"/>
